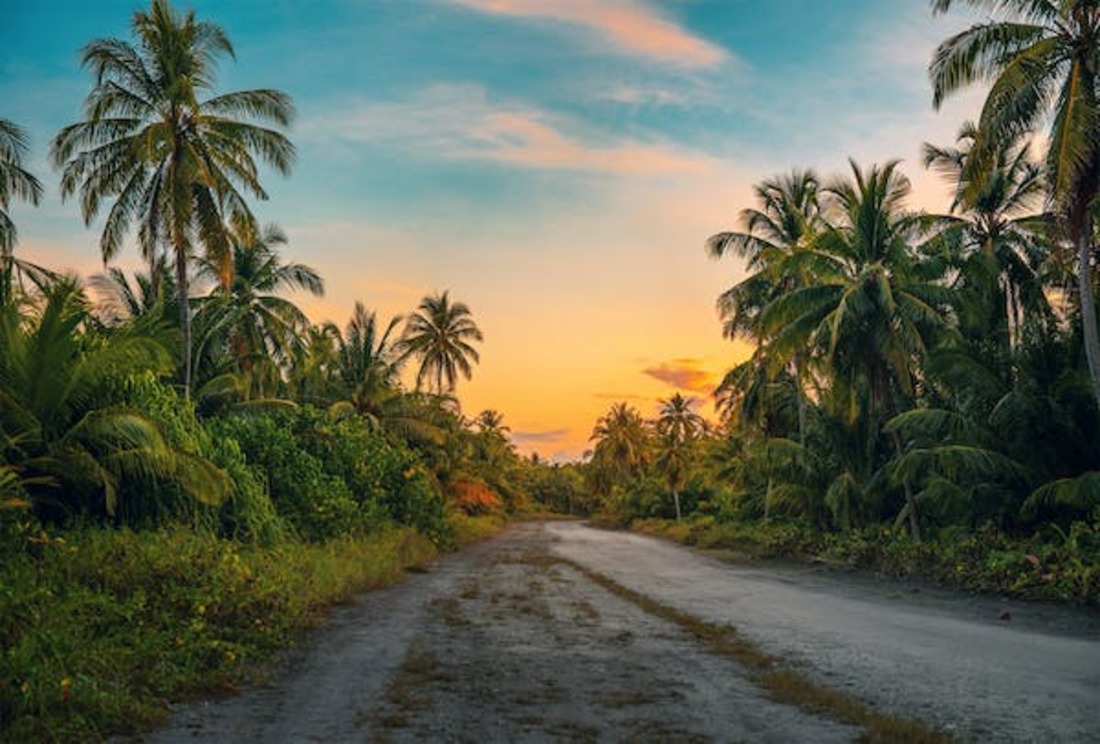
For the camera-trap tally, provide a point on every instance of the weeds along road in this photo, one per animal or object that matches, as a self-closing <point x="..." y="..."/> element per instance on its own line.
<point x="559" y="632"/>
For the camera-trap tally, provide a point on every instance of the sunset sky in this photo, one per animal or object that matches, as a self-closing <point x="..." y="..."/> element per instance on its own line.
<point x="555" y="164"/>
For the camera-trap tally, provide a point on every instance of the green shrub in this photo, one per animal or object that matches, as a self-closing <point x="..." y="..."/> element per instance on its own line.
<point x="329" y="477"/>
<point x="318" y="505"/>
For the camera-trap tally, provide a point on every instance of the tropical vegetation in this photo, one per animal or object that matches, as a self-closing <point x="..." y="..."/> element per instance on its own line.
<point x="922" y="395"/>
<point x="190" y="468"/>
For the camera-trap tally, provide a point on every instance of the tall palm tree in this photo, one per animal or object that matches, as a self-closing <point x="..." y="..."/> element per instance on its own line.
<point x="313" y="371"/>
<point x="775" y="245"/>
<point x="243" y="317"/>
<point x="998" y="241"/>
<point x="1042" y="62"/>
<point x="622" y="443"/>
<point x="175" y="159"/>
<point x="678" y="426"/>
<point x="875" y="309"/>
<point x="441" y="333"/>
<point x="368" y="361"/>
<point x="15" y="181"/>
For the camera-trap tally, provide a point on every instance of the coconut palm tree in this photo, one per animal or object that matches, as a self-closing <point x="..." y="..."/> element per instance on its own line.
<point x="122" y="300"/>
<point x="1041" y="58"/>
<point x="441" y="333"/>
<point x="875" y="309"/>
<point x="998" y="241"/>
<point x="243" y="318"/>
<point x="313" y="372"/>
<point x="622" y="444"/>
<point x="15" y="181"/>
<point x="172" y="157"/>
<point x="368" y="362"/>
<point x="678" y="426"/>
<point x="775" y="245"/>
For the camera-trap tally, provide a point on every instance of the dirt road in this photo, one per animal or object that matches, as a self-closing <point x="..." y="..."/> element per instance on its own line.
<point x="512" y="640"/>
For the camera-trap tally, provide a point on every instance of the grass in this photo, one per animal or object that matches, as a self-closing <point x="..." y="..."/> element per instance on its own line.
<point x="100" y="629"/>
<point x="1052" y="565"/>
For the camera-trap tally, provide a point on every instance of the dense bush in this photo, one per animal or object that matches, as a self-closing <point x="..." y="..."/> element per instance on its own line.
<point x="330" y="477"/>
<point x="316" y="504"/>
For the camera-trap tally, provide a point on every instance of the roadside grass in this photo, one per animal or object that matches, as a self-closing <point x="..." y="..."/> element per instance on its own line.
<point x="100" y="629"/>
<point x="780" y="682"/>
<point x="1055" y="565"/>
<point x="471" y="529"/>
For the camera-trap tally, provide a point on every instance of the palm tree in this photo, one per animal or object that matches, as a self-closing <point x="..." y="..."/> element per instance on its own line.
<point x="177" y="163"/>
<point x="491" y="422"/>
<point x="62" y="431"/>
<point x="678" y="426"/>
<point x="1042" y="62"/>
<point x="313" y="371"/>
<point x="149" y="294"/>
<point x="875" y="309"/>
<point x="998" y="240"/>
<point x="243" y="317"/>
<point x="774" y="244"/>
<point x="440" y="334"/>
<point x="366" y="370"/>
<point x="14" y="181"/>
<point x="18" y="183"/>
<point x="622" y="444"/>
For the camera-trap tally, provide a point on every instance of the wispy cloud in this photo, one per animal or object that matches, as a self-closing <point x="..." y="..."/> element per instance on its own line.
<point x="550" y="436"/>
<point x="630" y="27"/>
<point x="459" y="122"/>
<point x="683" y="374"/>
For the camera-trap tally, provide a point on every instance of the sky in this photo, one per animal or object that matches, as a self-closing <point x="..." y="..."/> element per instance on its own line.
<point x="557" y="165"/>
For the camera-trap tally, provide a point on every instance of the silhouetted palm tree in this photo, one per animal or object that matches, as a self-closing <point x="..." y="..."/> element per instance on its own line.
<point x="677" y="427"/>
<point x="15" y="182"/>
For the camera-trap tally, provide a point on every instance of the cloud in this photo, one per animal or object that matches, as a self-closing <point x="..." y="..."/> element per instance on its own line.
<point x="631" y="27"/>
<point x="459" y="122"/>
<point x="539" y="437"/>
<point x="683" y="374"/>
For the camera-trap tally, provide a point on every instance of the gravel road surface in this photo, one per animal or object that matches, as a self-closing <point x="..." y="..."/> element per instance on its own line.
<point x="507" y="641"/>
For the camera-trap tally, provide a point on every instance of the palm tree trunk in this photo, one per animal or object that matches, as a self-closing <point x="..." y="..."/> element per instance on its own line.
<point x="800" y="394"/>
<point x="676" y="498"/>
<point x="910" y="501"/>
<point x="1088" y="308"/>
<point x="185" y="313"/>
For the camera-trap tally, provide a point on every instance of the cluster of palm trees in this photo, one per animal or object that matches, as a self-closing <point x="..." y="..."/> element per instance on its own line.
<point x="628" y="449"/>
<point x="168" y="160"/>
<point x="916" y="368"/>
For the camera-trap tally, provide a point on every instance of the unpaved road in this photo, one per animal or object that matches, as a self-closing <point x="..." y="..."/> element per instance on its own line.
<point x="505" y="642"/>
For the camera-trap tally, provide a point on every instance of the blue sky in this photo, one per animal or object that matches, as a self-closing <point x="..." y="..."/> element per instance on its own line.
<point x="557" y="164"/>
